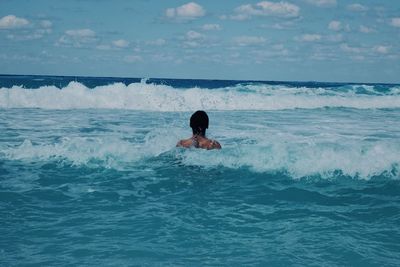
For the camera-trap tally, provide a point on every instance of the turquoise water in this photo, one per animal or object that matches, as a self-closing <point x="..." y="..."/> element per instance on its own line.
<point x="90" y="175"/>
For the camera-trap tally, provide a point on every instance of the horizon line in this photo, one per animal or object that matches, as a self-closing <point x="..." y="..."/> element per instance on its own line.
<point x="204" y="79"/>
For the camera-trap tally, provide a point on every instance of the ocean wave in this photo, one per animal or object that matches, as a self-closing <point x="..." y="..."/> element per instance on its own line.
<point x="156" y="97"/>
<point x="355" y="159"/>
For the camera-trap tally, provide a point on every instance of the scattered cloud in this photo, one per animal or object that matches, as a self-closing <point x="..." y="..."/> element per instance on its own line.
<point x="157" y="42"/>
<point x="395" y="22"/>
<point x="77" y="37"/>
<point x="46" y="24"/>
<point x="309" y="38"/>
<point x="335" y="38"/>
<point x="25" y="37"/>
<point x="116" y="44"/>
<point x="187" y="11"/>
<point x="12" y="22"/>
<point x="36" y="31"/>
<point x="104" y="47"/>
<point x="266" y="8"/>
<point x="350" y="49"/>
<point x="211" y="27"/>
<point x="162" y="57"/>
<point x="249" y="40"/>
<point x="20" y="57"/>
<point x="357" y="8"/>
<point x="28" y="36"/>
<point x="362" y="52"/>
<point x="365" y="29"/>
<point x="322" y="3"/>
<point x="81" y="33"/>
<point x="193" y="35"/>
<point x="282" y="25"/>
<point x="381" y="49"/>
<point x="121" y="43"/>
<point x="324" y="54"/>
<point x="132" y="58"/>
<point x="193" y="39"/>
<point x="358" y="57"/>
<point x="335" y="25"/>
<point x="278" y="26"/>
<point x="275" y="51"/>
<point x="167" y="58"/>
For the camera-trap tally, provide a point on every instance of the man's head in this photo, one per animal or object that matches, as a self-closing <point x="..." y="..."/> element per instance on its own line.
<point x="199" y="122"/>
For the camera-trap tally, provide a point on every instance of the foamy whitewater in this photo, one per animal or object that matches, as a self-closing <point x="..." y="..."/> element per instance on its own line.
<point x="90" y="175"/>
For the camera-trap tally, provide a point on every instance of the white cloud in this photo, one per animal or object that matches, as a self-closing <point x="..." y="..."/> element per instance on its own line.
<point x="335" y="25"/>
<point x="103" y="47"/>
<point x="121" y="43"/>
<point x="132" y="58"/>
<point x="335" y="38"/>
<point x="77" y="37"/>
<point x="278" y="47"/>
<point x="46" y="24"/>
<point x="193" y="39"/>
<point x="365" y="29"/>
<point x="240" y="17"/>
<point x="249" y="40"/>
<point x="395" y="22"/>
<point x="358" y="57"/>
<point x="282" y="25"/>
<point x="191" y="44"/>
<point x="11" y="22"/>
<point x="266" y="8"/>
<point x="187" y="11"/>
<point x="157" y="42"/>
<point x="81" y="33"/>
<point x="32" y="33"/>
<point x="357" y="8"/>
<point x="345" y="47"/>
<point x="26" y="37"/>
<point x="18" y="57"/>
<point x="193" y="35"/>
<point x="322" y="3"/>
<point x="211" y="27"/>
<point x="381" y="49"/>
<point x="309" y="38"/>
<point x="116" y="44"/>
<point x="162" y="57"/>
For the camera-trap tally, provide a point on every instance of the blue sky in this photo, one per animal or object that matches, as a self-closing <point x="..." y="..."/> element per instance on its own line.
<point x="318" y="40"/>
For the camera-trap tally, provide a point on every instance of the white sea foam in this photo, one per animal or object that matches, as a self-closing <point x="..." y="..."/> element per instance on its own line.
<point x="304" y="160"/>
<point x="110" y="152"/>
<point x="151" y="97"/>
<point x="299" y="158"/>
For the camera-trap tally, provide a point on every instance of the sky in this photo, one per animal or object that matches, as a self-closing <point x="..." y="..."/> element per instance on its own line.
<point x="294" y="40"/>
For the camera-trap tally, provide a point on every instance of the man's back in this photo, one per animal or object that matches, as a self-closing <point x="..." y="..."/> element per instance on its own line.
<point x="199" y="142"/>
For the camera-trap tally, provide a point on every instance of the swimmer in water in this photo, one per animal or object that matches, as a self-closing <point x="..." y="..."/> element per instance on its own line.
<point x="199" y="124"/>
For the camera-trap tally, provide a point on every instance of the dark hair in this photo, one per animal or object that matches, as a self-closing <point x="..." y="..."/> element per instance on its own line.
<point x="199" y="122"/>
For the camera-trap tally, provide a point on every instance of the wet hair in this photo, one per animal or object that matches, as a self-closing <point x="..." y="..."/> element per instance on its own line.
<point x="199" y="122"/>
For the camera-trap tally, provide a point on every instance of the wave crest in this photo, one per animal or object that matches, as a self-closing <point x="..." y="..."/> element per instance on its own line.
<point x="153" y="97"/>
<point x="299" y="160"/>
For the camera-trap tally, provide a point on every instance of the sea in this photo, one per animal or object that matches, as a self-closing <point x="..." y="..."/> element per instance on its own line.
<point x="90" y="175"/>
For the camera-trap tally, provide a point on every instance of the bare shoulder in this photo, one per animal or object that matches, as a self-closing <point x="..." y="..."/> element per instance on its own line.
<point x="184" y="143"/>
<point x="214" y="144"/>
<point x="199" y="142"/>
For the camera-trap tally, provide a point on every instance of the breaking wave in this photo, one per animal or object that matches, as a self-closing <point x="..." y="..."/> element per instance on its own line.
<point x="157" y="97"/>
<point x="297" y="159"/>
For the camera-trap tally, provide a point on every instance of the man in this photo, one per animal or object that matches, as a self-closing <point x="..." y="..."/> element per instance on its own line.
<point x="199" y="124"/>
